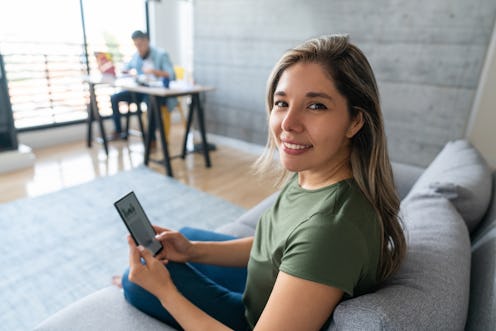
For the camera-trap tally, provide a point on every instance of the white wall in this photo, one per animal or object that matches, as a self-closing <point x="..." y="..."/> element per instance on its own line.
<point x="481" y="130"/>
<point x="171" y="25"/>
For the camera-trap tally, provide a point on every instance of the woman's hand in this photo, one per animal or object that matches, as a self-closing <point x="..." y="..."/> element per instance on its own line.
<point x="176" y="247"/>
<point x="153" y="276"/>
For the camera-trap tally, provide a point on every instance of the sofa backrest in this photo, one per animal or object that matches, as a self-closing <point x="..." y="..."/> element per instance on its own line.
<point x="431" y="289"/>
<point x="405" y="176"/>
<point x="482" y="309"/>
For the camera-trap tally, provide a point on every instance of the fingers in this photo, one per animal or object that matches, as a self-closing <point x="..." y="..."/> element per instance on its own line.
<point x="164" y="260"/>
<point x="159" y="229"/>
<point x="134" y="254"/>
<point x="138" y="252"/>
<point x="145" y="254"/>
<point x="160" y="235"/>
<point x="167" y="233"/>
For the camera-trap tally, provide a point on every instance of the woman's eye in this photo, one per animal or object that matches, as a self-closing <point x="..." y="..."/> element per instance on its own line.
<point x="280" y="104"/>
<point x="317" y="106"/>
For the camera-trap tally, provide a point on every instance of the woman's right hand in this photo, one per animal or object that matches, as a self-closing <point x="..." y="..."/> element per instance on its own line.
<point x="176" y="247"/>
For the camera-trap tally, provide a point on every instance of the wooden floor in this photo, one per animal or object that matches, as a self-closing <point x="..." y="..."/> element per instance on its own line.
<point x="66" y="165"/>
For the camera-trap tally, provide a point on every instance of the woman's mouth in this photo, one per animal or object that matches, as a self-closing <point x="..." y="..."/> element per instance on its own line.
<point x="294" y="148"/>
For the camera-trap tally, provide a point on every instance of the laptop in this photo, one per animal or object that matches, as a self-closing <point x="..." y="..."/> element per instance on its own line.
<point x="105" y="63"/>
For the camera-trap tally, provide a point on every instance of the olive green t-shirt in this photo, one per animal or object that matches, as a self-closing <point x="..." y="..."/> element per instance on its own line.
<point x="329" y="235"/>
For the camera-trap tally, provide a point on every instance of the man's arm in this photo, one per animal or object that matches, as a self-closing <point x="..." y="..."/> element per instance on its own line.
<point x="164" y="67"/>
<point x="158" y="73"/>
<point x="129" y="65"/>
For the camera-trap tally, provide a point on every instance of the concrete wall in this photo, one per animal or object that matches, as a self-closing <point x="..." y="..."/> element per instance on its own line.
<point x="427" y="56"/>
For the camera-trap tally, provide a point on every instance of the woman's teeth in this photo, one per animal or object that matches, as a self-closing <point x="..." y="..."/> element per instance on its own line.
<point x="294" y="146"/>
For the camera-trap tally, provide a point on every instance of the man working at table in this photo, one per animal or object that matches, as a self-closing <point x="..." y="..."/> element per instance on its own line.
<point x="149" y="63"/>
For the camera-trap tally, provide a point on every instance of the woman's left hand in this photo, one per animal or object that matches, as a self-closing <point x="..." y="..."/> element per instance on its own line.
<point x="153" y="276"/>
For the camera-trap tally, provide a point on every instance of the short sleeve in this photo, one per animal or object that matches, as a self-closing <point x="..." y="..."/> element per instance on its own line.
<point x="327" y="251"/>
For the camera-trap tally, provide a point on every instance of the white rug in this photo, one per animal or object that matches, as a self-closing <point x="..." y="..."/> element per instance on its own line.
<point x="63" y="246"/>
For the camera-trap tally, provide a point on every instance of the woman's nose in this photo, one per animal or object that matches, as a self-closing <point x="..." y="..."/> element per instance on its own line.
<point x="292" y="120"/>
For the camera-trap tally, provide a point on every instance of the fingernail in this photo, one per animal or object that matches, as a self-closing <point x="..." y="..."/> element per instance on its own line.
<point x="157" y="236"/>
<point x="141" y="248"/>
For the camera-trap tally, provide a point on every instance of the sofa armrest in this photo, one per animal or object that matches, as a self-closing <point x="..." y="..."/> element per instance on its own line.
<point x="105" y="309"/>
<point x="245" y="225"/>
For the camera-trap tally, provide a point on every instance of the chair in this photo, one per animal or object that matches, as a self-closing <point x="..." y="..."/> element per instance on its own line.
<point x="138" y="113"/>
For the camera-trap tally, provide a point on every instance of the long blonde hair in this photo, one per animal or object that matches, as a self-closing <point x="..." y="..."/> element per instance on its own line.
<point x="353" y="77"/>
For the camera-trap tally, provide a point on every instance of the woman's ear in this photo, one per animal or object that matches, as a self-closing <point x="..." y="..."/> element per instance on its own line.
<point x="356" y="125"/>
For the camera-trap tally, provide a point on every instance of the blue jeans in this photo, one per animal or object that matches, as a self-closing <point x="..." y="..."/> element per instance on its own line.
<point x="218" y="291"/>
<point x="130" y="97"/>
<point x="123" y="96"/>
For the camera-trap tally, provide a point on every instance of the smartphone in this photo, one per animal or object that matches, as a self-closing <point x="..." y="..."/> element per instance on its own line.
<point x="137" y="223"/>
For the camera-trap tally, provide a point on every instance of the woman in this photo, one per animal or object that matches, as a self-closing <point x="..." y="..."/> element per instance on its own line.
<point x="333" y="232"/>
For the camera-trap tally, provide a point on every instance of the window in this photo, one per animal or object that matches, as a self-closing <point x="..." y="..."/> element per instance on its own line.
<point x="44" y="54"/>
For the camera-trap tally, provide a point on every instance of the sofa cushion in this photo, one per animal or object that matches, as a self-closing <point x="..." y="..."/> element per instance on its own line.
<point x="458" y="173"/>
<point x="431" y="289"/>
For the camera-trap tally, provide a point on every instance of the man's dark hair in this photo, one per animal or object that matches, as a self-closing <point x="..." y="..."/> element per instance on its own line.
<point x="138" y="34"/>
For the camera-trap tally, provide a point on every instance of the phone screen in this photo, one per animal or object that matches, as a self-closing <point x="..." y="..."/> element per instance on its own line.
<point x="137" y="223"/>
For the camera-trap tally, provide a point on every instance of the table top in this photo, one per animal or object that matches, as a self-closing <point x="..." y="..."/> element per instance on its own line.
<point x="177" y="88"/>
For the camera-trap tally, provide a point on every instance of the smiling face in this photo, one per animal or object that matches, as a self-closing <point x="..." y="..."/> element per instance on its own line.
<point x="311" y="126"/>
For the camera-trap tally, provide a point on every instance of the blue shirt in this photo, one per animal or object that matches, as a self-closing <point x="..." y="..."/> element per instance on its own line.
<point x="161" y="61"/>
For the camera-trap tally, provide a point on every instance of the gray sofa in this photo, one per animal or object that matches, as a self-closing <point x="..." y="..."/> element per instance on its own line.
<point x="447" y="281"/>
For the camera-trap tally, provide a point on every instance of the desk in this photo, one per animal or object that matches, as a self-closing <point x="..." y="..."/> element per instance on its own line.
<point x="94" y="113"/>
<point x="155" y="114"/>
